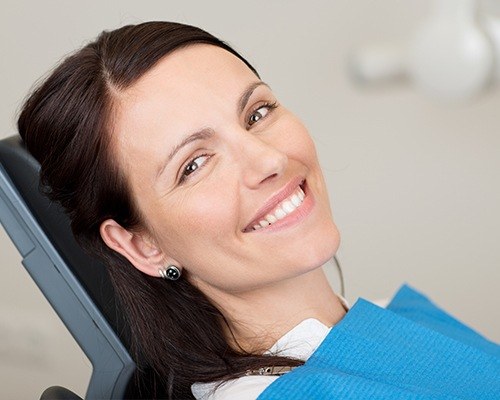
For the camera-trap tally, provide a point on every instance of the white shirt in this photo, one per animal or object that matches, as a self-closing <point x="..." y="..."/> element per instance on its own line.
<point x="300" y="342"/>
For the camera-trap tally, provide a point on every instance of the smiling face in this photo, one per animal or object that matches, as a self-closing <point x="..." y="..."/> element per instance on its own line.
<point x="210" y="155"/>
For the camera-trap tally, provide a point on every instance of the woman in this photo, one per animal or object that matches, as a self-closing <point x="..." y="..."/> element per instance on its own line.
<point x="181" y="169"/>
<point x="174" y="153"/>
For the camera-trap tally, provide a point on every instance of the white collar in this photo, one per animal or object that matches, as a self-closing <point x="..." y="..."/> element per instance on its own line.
<point x="301" y="341"/>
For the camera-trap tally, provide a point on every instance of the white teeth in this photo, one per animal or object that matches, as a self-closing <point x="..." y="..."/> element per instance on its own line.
<point x="282" y="210"/>
<point x="271" y="218"/>
<point x="279" y="213"/>
<point x="288" y="207"/>
<point x="264" y="223"/>
<point x="296" y="200"/>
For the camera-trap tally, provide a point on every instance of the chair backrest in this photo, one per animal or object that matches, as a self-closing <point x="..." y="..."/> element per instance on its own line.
<point x="77" y="286"/>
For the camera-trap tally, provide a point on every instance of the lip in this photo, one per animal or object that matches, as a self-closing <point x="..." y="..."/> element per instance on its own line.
<point x="273" y="201"/>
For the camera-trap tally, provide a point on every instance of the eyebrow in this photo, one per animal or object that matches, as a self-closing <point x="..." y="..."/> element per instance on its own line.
<point x="206" y="133"/>
<point x="200" y="135"/>
<point x="242" y="103"/>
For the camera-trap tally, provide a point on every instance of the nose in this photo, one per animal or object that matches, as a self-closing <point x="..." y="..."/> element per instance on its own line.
<point x="261" y="161"/>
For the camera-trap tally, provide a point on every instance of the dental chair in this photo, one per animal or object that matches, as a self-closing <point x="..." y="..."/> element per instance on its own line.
<point x="77" y="286"/>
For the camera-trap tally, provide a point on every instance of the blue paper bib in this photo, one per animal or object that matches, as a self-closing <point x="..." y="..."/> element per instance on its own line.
<point x="411" y="350"/>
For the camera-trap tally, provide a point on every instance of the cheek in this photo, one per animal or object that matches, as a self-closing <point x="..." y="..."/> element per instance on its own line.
<point x="298" y="143"/>
<point x="210" y="211"/>
<point x="301" y="147"/>
<point x="196" y="221"/>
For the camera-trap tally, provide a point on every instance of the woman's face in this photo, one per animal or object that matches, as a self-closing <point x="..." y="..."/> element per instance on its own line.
<point x="211" y="155"/>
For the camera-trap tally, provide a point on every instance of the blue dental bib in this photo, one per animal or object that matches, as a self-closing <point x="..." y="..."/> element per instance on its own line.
<point x="410" y="350"/>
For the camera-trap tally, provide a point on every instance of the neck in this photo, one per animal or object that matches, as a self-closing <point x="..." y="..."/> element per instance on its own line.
<point x="258" y="318"/>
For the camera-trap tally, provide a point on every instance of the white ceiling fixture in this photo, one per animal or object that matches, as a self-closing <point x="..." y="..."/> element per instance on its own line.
<point x="453" y="55"/>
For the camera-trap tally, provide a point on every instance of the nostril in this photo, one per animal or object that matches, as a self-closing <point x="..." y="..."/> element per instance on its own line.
<point x="269" y="177"/>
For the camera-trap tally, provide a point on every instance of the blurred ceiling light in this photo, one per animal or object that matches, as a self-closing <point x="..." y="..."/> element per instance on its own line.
<point x="452" y="56"/>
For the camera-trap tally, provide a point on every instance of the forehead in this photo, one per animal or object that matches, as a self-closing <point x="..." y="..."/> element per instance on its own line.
<point x="191" y="77"/>
<point x="187" y="90"/>
<point x="200" y="67"/>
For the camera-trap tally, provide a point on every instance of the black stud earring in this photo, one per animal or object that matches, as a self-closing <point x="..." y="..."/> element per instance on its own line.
<point x="171" y="273"/>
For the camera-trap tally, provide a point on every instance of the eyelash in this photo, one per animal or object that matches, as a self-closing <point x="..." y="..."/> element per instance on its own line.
<point x="185" y="176"/>
<point x="271" y="106"/>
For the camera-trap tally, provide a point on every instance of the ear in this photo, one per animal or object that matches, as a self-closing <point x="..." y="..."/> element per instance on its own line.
<point x="135" y="247"/>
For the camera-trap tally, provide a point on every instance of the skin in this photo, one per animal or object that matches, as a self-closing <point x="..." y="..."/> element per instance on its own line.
<point x="267" y="281"/>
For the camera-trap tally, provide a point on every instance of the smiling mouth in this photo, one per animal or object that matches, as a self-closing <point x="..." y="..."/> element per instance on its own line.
<point x="286" y="207"/>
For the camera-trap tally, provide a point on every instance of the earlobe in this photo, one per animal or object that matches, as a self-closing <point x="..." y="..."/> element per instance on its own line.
<point x="144" y="255"/>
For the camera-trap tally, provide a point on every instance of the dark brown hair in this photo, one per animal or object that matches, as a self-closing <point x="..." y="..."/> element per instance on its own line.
<point x="176" y="331"/>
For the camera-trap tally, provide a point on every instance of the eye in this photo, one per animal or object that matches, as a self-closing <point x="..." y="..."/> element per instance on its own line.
<point x="261" y="112"/>
<point x="193" y="165"/>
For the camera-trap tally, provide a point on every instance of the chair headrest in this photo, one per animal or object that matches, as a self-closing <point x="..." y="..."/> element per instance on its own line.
<point x="23" y="171"/>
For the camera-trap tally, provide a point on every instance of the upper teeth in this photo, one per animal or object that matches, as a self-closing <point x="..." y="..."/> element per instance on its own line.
<point x="286" y="207"/>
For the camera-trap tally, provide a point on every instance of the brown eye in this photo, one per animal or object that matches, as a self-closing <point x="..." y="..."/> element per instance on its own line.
<point x="260" y="113"/>
<point x="193" y="165"/>
<point x="256" y="116"/>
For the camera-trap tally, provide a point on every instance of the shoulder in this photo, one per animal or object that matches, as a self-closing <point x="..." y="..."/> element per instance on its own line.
<point x="244" y="388"/>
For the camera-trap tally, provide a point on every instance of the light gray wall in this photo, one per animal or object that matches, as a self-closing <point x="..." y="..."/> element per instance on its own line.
<point x="414" y="184"/>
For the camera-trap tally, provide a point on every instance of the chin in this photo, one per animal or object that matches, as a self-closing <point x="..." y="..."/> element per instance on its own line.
<point x="319" y="251"/>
